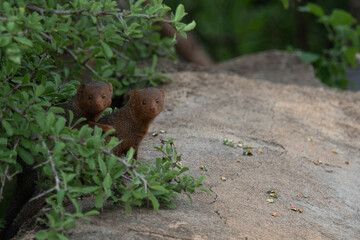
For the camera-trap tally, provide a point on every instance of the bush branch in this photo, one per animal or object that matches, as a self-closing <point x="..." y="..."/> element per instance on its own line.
<point x="76" y="59"/>
<point x="106" y="152"/>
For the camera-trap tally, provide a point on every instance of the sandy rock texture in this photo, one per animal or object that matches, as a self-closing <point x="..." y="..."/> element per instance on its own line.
<point x="310" y="139"/>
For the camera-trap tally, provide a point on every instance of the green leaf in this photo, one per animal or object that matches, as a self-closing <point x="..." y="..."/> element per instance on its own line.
<point x="107" y="184"/>
<point x="159" y="188"/>
<point x="71" y="117"/>
<point x="24" y="41"/>
<point x="312" y="8"/>
<point x="91" y="212"/>
<point x="25" y="156"/>
<point x="60" y="124"/>
<point x="4" y="41"/>
<point x="96" y="7"/>
<point x="190" y="26"/>
<point x="60" y="196"/>
<point x="39" y="90"/>
<point x="40" y="119"/>
<point x="308" y="57"/>
<point x="200" y="179"/>
<point x="42" y="234"/>
<point x="7" y="127"/>
<point x="205" y="190"/>
<point x="180" y="13"/>
<point x="102" y="165"/>
<point x="106" y="49"/>
<point x="61" y="237"/>
<point x="350" y="55"/>
<point x="153" y="200"/>
<point x="59" y="146"/>
<point x="3" y="141"/>
<point x="56" y="110"/>
<point x="315" y="9"/>
<point x="285" y="3"/>
<point x="339" y="17"/>
<point x="99" y="199"/>
<point x="10" y="26"/>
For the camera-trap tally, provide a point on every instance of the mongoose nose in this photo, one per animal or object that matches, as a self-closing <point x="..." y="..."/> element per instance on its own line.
<point x="152" y="109"/>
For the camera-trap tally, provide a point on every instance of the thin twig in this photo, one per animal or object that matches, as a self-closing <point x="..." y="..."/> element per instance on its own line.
<point x="118" y="53"/>
<point x="53" y="169"/>
<point x="98" y="27"/>
<point x="13" y="89"/>
<point x="43" y="194"/>
<point x="41" y="164"/>
<point x="37" y="66"/>
<point x="37" y="9"/>
<point x="22" y="113"/>
<point x="3" y="180"/>
<point x="77" y="60"/>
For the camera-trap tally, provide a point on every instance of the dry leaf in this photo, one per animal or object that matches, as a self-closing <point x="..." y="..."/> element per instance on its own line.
<point x="238" y="160"/>
<point x="228" y="142"/>
<point x="347" y="162"/>
<point x="223" y="178"/>
<point x="270" y="200"/>
<point x="275" y="214"/>
<point x="155" y="134"/>
<point x="334" y="151"/>
<point x="260" y="151"/>
<point x="162" y="131"/>
<point x="202" y="167"/>
<point x="296" y="209"/>
<point x="272" y="193"/>
<point x="292" y="207"/>
<point x="248" y="153"/>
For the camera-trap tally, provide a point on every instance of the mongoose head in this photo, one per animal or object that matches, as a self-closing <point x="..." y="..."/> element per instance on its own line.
<point x="147" y="103"/>
<point x="95" y="97"/>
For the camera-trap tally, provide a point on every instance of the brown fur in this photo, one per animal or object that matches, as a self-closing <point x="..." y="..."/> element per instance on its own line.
<point x="132" y="121"/>
<point x="90" y="102"/>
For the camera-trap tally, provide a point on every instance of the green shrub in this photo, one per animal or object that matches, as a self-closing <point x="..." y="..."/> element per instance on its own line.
<point x="46" y="47"/>
<point x="344" y="34"/>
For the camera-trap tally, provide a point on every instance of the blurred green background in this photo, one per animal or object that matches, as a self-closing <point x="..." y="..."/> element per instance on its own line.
<point x="230" y="28"/>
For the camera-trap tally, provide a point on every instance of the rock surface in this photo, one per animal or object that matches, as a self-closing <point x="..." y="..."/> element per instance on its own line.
<point x="310" y="137"/>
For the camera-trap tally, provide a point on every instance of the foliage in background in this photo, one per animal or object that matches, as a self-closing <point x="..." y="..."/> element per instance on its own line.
<point x="231" y="28"/>
<point x="46" y="46"/>
<point x="344" y="34"/>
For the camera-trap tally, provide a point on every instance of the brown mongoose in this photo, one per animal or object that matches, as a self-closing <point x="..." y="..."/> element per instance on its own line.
<point x="132" y="121"/>
<point x="89" y="102"/>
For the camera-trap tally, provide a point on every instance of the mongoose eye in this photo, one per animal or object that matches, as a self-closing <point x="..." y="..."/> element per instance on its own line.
<point x="157" y="100"/>
<point x="103" y="96"/>
<point x="144" y="102"/>
<point x="90" y="97"/>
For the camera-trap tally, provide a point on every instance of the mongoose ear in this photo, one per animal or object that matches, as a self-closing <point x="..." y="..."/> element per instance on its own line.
<point x="162" y="93"/>
<point x="110" y="87"/>
<point x="80" y="89"/>
<point x="133" y="95"/>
